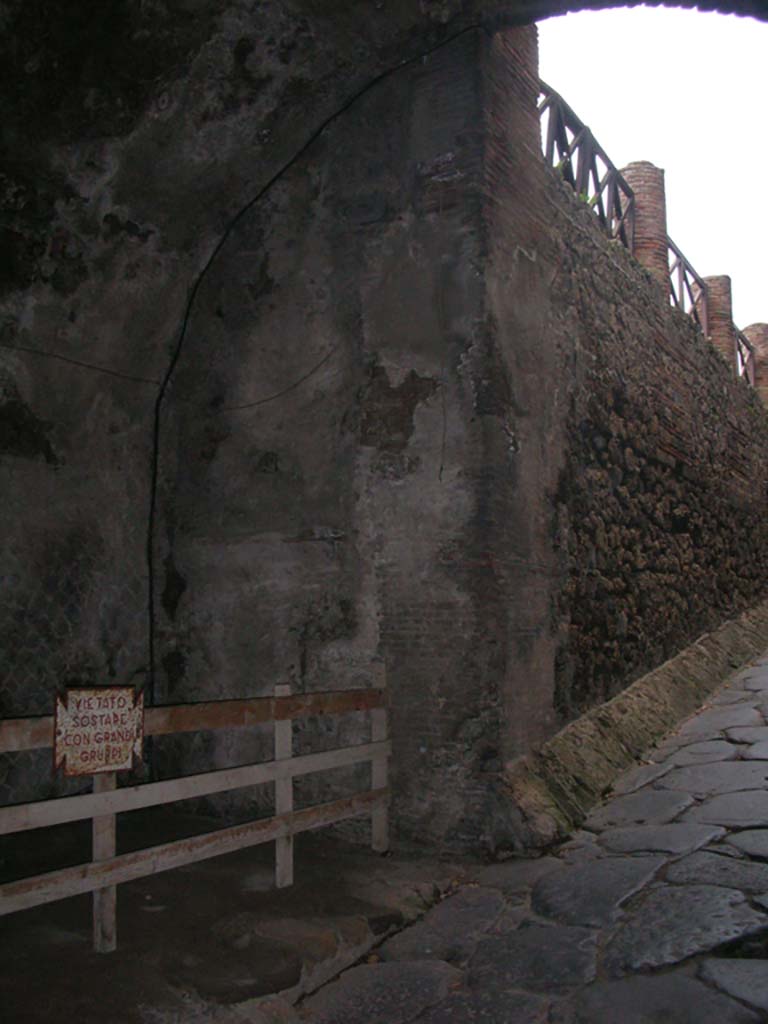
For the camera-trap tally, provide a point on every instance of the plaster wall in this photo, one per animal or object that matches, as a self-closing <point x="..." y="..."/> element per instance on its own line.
<point x="337" y="519"/>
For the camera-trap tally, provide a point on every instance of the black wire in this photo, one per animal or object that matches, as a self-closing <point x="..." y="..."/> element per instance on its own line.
<point x="155" y="464"/>
<point x="291" y="387"/>
<point x="78" y="362"/>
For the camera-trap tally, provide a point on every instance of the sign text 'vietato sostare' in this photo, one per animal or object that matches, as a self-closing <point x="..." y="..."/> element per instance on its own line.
<point x="98" y="729"/>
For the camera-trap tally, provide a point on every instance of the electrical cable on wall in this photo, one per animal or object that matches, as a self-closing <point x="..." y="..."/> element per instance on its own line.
<point x="78" y="362"/>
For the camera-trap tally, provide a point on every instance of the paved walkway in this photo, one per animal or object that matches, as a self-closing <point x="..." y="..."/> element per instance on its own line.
<point x="656" y="912"/>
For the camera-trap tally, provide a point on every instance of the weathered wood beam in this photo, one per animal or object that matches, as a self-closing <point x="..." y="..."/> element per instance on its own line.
<point x="17" y="818"/>
<point x="58" y="885"/>
<point x="32" y="733"/>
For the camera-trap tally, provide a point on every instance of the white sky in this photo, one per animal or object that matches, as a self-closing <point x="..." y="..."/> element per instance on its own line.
<point x="686" y="91"/>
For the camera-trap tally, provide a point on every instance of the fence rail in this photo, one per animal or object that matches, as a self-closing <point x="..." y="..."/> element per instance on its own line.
<point x="571" y="148"/>
<point x="32" y="733"/>
<point x="107" y="869"/>
<point x="745" y="358"/>
<point x="687" y="289"/>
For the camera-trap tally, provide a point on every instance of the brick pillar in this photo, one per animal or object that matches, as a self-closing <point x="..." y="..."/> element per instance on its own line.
<point x="722" y="333"/>
<point x="512" y="64"/>
<point x="758" y="335"/>
<point x="647" y="182"/>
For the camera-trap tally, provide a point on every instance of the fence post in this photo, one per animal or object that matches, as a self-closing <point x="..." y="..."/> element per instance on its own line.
<point x="757" y="334"/>
<point x="379" y="773"/>
<point x="104" y="847"/>
<point x="283" y="795"/>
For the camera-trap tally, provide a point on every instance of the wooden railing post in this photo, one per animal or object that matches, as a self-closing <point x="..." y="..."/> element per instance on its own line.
<point x="107" y="869"/>
<point x="745" y="357"/>
<point x="104" y="848"/>
<point x="576" y="158"/>
<point x="283" y="796"/>
<point x="757" y="335"/>
<point x="380" y="774"/>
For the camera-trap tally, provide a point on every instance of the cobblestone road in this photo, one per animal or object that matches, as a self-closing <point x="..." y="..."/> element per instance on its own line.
<point x="657" y="911"/>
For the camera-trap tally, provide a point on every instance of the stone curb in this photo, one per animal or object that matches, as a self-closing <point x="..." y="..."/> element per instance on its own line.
<point x="557" y="785"/>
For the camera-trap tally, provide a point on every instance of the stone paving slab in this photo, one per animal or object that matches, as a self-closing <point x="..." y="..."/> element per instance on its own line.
<point x="480" y="1007"/>
<point x="388" y="993"/>
<point x="516" y="875"/>
<point x="512" y="918"/>
<point x="451" y="930"/>
<point x="591" y="894"/>
<point x="580" y="848"/>
<point x="705" y="752"/>
<point x="712" y="779"/>
<point x="757" y="751"/>
<point x="669" y="999"/>
<point x="723" y="849"/>
<point x="733" y="810"/>
<point x="753" y="842"/>
<point x="679" y="838"/>
<point x="665" y="748"/>
<point x="736" y="694"/>
<point x="539" y="958"/>
<point x="267" y="1011"/>
<point x="636" y="778"/>
<point x="719" y="719"/>
<point x="646" y="807"/>
<point x="671" y="923"/>
<point x="748" y="734"/>
<point x="746" y="980"/>
<point x="710" y="868"/>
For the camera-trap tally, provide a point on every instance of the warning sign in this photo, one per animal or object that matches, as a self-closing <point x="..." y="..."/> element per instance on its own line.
<point x="98" y="729"/>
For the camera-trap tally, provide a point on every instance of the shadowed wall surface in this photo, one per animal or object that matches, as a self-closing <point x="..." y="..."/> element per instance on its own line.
<point x="421" y="409"/>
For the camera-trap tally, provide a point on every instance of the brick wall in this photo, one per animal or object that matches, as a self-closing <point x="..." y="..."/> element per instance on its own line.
<point x="659" y="514"/>
<point x="639" y="455"/>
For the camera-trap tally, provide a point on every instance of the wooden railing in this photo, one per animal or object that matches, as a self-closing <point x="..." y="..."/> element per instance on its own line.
<point x="571" y="148"/>
<point x="109" y="869"/>
<point x="745" y="358"/>
<point x="687" y="290"/>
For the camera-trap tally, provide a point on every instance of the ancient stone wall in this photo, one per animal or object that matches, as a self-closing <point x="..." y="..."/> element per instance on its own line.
<point x="659" y="514"/>
<point x="420" y="411"/>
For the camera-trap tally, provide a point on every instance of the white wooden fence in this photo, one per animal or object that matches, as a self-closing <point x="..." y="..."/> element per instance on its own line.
<point x="107" y="869"/>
